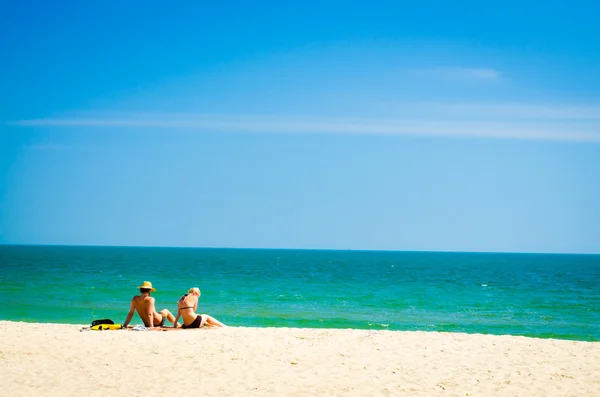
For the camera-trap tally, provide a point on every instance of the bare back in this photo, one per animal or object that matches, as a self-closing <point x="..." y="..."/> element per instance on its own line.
<point x="187" y="306"/>
<point x="144" y="306"/>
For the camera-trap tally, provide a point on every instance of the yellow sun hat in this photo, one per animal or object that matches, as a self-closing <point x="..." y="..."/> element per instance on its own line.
<point x="147" y="285"/>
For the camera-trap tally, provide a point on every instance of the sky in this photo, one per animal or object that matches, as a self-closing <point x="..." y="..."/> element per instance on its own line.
<point x="379" y="125"/>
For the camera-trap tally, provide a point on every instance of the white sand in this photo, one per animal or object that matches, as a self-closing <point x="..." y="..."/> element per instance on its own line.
<point x="53" y="360"/>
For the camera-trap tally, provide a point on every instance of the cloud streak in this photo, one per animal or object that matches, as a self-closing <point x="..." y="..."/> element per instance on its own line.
<point x="506" y="111"/>
<point x="536" y="123"/>
<point x="458" y="73"/>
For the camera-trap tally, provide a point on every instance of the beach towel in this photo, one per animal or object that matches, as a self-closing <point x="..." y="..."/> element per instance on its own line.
<point x="139" y="328"/>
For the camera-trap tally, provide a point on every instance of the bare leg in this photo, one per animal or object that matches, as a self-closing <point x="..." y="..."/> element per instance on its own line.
<point x="213" y="322"/>
<point x="203" y="320"/>
<point x="169" y="315"/>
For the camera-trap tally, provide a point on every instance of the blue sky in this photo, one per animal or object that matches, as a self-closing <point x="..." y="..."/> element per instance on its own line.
<point x="348" y="125"/>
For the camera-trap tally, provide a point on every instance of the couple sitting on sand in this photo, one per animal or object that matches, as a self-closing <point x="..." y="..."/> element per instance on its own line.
<point x="186" y="308"/>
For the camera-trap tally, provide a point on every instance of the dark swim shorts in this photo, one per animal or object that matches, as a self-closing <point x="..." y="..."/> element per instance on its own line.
<point x="195" y="324"/>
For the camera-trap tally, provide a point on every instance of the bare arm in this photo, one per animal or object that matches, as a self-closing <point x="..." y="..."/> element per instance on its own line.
<point x="150" y="313"/>
<point x="177" y="318"/>
<point x="129" y="315"/>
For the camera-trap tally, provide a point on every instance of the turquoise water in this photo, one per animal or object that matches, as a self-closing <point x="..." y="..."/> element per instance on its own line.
<point x="540" y="295"/>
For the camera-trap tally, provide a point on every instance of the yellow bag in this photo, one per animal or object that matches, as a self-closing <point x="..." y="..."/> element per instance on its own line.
<point x="106" y="327"/>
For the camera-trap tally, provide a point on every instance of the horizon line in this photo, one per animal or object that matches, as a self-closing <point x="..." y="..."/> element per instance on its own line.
<point x="297" y="249"/>
<point x="424" y="125"/>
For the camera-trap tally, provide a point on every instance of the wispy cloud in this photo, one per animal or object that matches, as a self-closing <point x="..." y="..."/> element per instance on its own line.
<point x="570" y="123"/>
<point x="499" y="111"/>
<point x="459" y="73"/>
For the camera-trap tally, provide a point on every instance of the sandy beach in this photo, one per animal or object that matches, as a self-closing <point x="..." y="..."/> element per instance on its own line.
<point x="55" y="359"/>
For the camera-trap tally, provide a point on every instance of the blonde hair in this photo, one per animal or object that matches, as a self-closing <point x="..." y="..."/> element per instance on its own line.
<point x="194" y="290"/>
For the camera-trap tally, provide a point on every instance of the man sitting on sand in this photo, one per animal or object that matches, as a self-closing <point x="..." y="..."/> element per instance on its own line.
<point x="144" y="305"/>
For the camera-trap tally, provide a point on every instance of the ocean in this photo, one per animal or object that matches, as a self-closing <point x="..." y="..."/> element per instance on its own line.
<point x="538" y="295"/>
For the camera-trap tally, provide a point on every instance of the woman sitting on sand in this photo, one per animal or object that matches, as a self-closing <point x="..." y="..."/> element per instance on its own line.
<point x="186" y="308"/>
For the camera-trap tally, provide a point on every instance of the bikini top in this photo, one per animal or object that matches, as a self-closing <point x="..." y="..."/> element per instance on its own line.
<point x="189" y="307"/>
